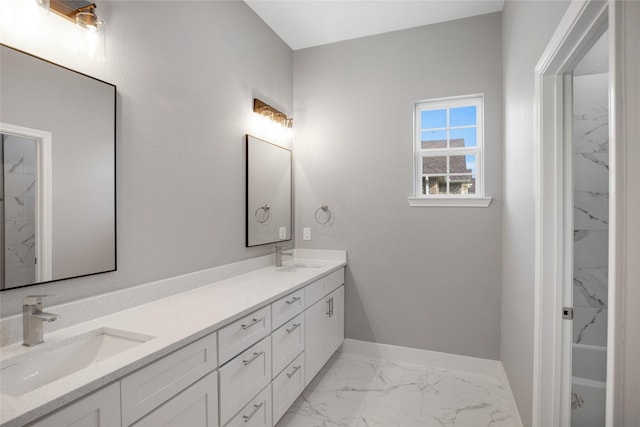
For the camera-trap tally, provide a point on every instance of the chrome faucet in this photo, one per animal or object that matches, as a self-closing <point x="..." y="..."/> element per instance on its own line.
<point x="32" y="319"/>
<point x="279" y="253"/>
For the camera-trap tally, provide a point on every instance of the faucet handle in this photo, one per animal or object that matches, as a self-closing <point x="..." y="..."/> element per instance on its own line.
<point x="36" y="299"/>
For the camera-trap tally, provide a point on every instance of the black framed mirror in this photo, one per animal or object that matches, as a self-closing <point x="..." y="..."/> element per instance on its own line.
<point x="268" y="195"/>
<point x="58" y="192"/>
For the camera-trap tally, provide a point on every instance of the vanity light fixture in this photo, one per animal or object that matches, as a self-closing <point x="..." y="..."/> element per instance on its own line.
<point x="267" y="110"/>
<point x="90" y="28"/>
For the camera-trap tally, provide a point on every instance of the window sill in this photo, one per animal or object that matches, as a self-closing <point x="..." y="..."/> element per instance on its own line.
<point x="465" y="202"/>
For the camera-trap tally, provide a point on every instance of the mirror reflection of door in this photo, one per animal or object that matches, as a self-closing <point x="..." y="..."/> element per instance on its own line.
<point x="19" y="178"/>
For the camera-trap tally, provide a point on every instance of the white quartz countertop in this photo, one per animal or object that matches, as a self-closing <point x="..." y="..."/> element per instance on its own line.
<point x="174" y="322"/>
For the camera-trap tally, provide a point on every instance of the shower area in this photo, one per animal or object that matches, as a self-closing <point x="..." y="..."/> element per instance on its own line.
<point x="590" y="176"/>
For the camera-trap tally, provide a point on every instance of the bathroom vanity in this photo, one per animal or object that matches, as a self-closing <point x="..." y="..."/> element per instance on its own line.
<point x="234" y="353"/>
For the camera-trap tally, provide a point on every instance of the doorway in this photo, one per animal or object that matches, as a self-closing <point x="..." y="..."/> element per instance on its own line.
<point x="18" y="215"/>
<point x="25" y="206"/>
<point x="572" y="225"/>
<point x="588" y="186"/>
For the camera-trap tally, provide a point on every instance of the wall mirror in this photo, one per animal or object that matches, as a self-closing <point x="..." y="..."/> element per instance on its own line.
<point x="268" y="192"/>
<point x="57" y="186"/>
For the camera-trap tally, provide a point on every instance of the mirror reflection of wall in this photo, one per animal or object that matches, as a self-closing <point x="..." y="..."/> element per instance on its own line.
<point x="58" y="173"/>
<point x="268" y="192"/>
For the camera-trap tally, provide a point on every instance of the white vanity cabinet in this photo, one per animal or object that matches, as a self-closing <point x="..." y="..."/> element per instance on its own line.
<point x="324" y="323"/>
<point x="156" y="383"/>
<point x="287" y="386"/>
<point x="286" y="308"/>
<point x="256" y="413"/>
<point x="247" y="373"/>
<point x="197" y="406"/>
<point x="99" y="409"/>
<point x="244" y="332"/>
<point x="243" y="377"/>
<point x="288" y="342"/>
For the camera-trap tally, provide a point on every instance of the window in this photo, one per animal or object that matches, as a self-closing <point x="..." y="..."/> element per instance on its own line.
<point x="448" y="152"/>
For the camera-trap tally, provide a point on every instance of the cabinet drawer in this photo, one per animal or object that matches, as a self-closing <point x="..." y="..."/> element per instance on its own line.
<point x="149" y="387"/>
<point x="322" y="286"/>
<point x="257" y="413"/>
<point x="197" y="406"/>
<point x="286" y="308"/>
<point x="287" y="387"/>
<point x="287" y="342"/>
<point x="243" y="333"/>
<point x="242" y="376"/>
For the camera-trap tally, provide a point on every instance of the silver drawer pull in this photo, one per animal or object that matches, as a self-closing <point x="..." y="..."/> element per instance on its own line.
<point x="295" y="326"/>
<point x="292" y="373"/>
<point x="253" y="322"/>
<point x="256" y="408"/>
<point x="294" y="299"/>
<point x="252" y="358"/>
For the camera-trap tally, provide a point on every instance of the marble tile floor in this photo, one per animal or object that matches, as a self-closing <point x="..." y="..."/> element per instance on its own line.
<point x="356" y="391"/>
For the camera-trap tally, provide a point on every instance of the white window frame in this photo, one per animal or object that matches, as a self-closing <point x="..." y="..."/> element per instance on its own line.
<point x="465" y="200"/>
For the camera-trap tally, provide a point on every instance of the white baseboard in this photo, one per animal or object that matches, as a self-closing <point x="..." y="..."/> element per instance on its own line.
<point x="422" y="357"/>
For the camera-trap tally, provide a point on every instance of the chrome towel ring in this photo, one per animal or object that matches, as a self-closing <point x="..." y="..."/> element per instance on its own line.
<point x="262" y="214"/>
<point x="323" y="215"/>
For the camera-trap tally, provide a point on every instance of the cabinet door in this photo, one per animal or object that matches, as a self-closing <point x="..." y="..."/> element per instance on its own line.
<point x="335" y="321"/>
<point x="315" y="337"/>
<point x="100" y="409"/>
<point x="197" y="406"/>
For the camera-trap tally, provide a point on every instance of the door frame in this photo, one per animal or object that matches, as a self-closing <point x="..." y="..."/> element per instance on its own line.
<point x="43" y="199"/>
<point x="576" y="33"/>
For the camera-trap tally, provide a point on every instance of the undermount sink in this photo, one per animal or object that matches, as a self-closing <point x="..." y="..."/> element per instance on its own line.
<point x="41" y="366"/>
<point x="294" y="266"/>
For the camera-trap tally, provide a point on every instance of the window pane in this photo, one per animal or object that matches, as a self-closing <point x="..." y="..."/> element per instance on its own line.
<point x="463" y="116"/>
<point x="434" y="139"/>
<point x="434" y="165"/>
<point x="435" y="185"/>
<point x="462" y="137"/>
<point x="462" y="184"/>
<point x="433" y="119"/>
<point x="462" y="164"/>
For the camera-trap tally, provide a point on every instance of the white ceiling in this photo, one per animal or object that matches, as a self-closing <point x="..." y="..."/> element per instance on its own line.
<point x="307" y="23"/>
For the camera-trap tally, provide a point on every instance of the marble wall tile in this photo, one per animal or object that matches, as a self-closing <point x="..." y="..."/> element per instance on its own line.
<point x="18" y="232"/>
<point x="18" y="276"/>
<point x="20" y="255"/>
<point x="590" y="326"/>
<point x="591" y="210"/>
<point x="590" y="248"/>
<point x="19" y="197"/>
<point x="590" y="287"/>
<point x="591" y="172"/>
<point x="13" y="155"/>
<point x="591" y="114"/>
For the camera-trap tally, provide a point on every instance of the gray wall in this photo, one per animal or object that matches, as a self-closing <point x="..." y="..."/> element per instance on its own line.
<point x="186" y="74"/>
<point x="420" y="277"/>
<point x="527" y="28"/>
